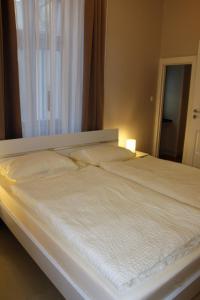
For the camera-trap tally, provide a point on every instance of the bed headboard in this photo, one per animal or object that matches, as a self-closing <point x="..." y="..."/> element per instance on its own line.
<point x="17" y="146"/>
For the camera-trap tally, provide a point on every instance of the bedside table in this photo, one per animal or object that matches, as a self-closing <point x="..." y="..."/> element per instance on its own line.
<point x="140" y="154"/>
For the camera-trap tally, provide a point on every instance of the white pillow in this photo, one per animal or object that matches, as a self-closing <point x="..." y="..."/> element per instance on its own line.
<point x="28" y="165"/>
<point x="102" y="153"/>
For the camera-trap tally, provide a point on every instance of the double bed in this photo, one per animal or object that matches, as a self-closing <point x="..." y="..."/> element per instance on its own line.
<point x="100" y="233"/>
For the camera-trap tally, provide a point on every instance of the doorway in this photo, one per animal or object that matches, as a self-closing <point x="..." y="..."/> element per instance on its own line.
<point x="174" y="104"/>
<point x="174" y="112"/>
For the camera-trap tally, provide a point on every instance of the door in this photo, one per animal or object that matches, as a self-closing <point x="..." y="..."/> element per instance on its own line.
<point x="192" y="139"/>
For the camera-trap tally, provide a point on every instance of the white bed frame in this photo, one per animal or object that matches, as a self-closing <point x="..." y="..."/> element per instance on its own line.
<point x="49" y="266"/>
<point x="40" y="255"/>
<point x="65" y="141"/>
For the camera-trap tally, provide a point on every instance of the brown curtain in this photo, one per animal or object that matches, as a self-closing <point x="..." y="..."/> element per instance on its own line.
<point x="94" y="51"/>
<point x="10" y="119"/>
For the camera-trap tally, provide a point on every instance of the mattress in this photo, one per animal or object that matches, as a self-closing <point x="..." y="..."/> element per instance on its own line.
<point x="172" y="179"/>
<point x="98" y="219"/>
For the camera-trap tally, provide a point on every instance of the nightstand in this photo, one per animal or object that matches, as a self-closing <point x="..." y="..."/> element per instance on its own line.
<point x="140" y="154"/>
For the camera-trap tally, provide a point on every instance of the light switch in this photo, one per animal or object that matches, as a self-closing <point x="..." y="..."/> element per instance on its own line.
<point x="151" y="99"/>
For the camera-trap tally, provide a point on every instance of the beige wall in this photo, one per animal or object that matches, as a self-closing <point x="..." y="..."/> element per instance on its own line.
<point x="181" y="28"/>
<point x="132" y="53"/>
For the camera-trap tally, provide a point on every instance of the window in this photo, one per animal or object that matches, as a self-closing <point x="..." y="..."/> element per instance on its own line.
<point x="50" y="55"/>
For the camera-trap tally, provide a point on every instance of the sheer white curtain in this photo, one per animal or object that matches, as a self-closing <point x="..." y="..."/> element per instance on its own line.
<point x="50" y="54"/>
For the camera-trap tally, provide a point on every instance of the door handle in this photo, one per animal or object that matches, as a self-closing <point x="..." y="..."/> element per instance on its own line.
<point x="195" y="117"/>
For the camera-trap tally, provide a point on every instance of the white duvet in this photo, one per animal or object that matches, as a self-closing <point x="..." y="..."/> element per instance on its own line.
<point x="121" y="229"/>
<point x="174" y="180"/>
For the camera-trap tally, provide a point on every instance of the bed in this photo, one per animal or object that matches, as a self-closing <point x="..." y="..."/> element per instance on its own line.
<point x="175" y="180"/>
<point x="87" y="250"/>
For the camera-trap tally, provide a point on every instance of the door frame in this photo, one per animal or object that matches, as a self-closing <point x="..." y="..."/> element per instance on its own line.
<point x="163" y="63"/>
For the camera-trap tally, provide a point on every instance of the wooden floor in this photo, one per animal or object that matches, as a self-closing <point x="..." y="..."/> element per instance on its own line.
<point x="20" y="277"/>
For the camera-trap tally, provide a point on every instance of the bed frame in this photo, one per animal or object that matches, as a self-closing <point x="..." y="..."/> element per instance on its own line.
<point x="65" y="142"/>
<point x="56" y="142"/>
<point x="40" y="255"/>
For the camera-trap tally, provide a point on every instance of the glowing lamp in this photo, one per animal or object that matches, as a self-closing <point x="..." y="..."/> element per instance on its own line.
<point x="131" y="145"/>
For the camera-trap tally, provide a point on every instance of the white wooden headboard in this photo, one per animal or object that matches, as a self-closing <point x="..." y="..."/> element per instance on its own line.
<point x="17" y="146"/>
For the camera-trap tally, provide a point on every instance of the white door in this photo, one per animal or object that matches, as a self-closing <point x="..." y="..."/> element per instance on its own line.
<point x="192" y="137"/>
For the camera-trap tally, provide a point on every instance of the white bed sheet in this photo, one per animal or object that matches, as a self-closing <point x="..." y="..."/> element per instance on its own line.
<point x="172" y="179"/>
<point x="97" y="186"/>
<point x="160" y="286"/>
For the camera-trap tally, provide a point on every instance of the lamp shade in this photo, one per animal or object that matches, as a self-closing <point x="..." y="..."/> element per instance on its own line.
<point x="131" y="145"/>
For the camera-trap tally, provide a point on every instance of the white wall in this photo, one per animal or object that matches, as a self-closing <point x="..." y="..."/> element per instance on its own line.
<point x="139" y="32"/>
<point x="132" y="54"/>
<point x="181" y="28"/>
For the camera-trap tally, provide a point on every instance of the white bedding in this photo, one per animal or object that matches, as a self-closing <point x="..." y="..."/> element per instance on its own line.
<point x="123" y="230"/>
<point x="174" y="180"/>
